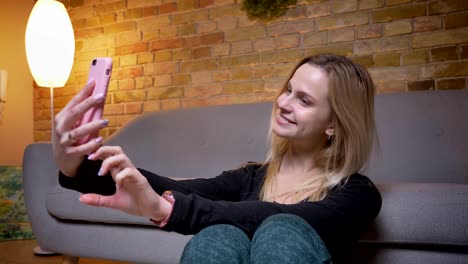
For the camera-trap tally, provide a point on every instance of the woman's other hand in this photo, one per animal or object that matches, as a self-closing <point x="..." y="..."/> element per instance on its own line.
<point x="133" y="195"/>
<point x="67" y="153"/>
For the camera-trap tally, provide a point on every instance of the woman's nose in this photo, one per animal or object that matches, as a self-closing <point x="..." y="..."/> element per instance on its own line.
<point x="284" y="102"/>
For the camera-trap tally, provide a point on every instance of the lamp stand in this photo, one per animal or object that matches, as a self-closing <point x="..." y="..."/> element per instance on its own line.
<point x="52" y="119"/>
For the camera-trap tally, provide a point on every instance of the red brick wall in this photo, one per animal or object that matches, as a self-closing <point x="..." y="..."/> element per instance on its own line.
<point x="180" y="54"/>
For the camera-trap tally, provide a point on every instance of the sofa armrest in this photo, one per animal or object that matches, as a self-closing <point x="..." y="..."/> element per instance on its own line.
<point x="39" y="174"/>
<point x="87" y="239"/>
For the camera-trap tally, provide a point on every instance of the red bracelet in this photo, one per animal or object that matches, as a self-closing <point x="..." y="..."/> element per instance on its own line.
<point x="170" y="198"/>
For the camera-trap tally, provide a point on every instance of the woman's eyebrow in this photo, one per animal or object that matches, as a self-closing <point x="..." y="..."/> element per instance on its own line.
<point x="303" y="93"/>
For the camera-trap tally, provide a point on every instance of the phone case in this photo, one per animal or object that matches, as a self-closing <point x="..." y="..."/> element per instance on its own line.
<point x="101" y="70"/>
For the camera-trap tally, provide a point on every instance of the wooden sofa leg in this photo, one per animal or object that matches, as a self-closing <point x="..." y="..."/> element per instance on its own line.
<point x="70" y="260"/>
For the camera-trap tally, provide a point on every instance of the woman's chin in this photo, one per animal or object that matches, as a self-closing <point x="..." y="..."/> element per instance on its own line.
<point x="280" y="132"/>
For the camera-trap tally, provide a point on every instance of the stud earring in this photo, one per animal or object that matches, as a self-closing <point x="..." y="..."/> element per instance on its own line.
<point x="331" y="133"/>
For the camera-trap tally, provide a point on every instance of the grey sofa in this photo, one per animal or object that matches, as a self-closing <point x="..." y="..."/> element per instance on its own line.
<point x="420" y="167"/>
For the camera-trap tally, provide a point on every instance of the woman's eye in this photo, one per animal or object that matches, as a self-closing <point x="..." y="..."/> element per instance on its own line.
<point x="304" y="101"/>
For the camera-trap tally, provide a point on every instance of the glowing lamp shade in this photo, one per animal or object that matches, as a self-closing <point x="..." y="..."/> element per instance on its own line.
<point x="50" y="43"/>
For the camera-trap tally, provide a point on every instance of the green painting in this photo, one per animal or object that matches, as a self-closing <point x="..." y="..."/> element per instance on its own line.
<point x="14" y="222"/>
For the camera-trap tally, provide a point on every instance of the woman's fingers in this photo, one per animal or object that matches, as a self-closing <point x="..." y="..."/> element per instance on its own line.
<point x="127" y="174"/>
<point x="114" y="160"/>
<point x="97" y="200"/>
<point x="73" y="136"/>
<point x="69" y="117"/>
<point x="68" y="140"/>
<point x="133" y="194"/>
<point x="70" y="113"/>
<point x="105" y="152"/>
<point x="80" y="150"/>
<point x="81" y="95"/>
<point x="121" y="200"/>
<point x="72" y="116"/>
<point x="133" y="187"/>
<point x="114" y="164"/>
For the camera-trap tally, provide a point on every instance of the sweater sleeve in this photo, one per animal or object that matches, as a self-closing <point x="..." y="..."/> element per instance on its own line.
<point x="338" y="219"/>
<point x="87" y="179"/>
<point x="227" y="186"/>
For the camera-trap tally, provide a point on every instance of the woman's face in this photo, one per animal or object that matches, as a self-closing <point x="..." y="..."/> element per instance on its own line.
<point x="303" y="110"/>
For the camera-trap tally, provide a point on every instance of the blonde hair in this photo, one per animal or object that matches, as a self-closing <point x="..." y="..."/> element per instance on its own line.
<point x="351" y="97"/>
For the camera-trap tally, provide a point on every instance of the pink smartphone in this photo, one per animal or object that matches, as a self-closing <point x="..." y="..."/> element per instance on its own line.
<point x="101" y="70"/>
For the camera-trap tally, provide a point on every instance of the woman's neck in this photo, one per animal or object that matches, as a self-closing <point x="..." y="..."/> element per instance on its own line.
<point x="297" y="163"/>
<point x="300" y="158"/>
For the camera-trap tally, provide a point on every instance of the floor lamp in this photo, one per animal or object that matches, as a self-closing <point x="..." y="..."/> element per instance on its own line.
<point x="50" y="47"/>
<point x="50" y="50"/>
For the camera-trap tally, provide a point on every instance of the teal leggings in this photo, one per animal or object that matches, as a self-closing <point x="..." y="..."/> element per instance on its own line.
<point x="281" y="238"/>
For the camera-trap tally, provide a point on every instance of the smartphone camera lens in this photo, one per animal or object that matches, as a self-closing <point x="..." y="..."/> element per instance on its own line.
<point x="107" y="71"/>
<point x="94" y="62"/>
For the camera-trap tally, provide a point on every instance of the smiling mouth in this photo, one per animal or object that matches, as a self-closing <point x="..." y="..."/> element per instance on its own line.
<point x="283" y="120"/>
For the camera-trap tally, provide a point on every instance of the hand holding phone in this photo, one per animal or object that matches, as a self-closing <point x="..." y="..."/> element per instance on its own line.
<point x="100" y="70"/>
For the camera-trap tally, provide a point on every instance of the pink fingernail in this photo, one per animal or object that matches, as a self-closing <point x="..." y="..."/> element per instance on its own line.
<point x="104" y="122"/>
<point x="101" y="172"/>
<point x="98" y="140"/>
<point x="90" y="157"/>
<point x="90" y="81"/>
<point x="99" y="97"/>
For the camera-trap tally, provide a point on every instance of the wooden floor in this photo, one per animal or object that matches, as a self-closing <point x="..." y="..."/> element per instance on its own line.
<point x="21" y="252"/>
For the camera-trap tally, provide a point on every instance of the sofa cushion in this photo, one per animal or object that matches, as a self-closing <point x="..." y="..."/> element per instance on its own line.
<point x="421" y="213"/>
<point x="64" y="204"/>
<point x="411" y="213"/>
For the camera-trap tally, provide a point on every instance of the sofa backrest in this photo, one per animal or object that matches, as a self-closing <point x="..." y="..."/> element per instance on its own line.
<point x="198" y="142"/>
<point x="423" y="137"/>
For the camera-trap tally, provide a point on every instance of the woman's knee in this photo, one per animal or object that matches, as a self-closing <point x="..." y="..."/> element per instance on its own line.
<point x="217" y="244"/>
<point x="287" y="237"/>
<point x="286" y="224"/>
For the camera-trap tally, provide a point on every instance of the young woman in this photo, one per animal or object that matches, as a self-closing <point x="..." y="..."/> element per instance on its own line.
<point x="306" y="203"/>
